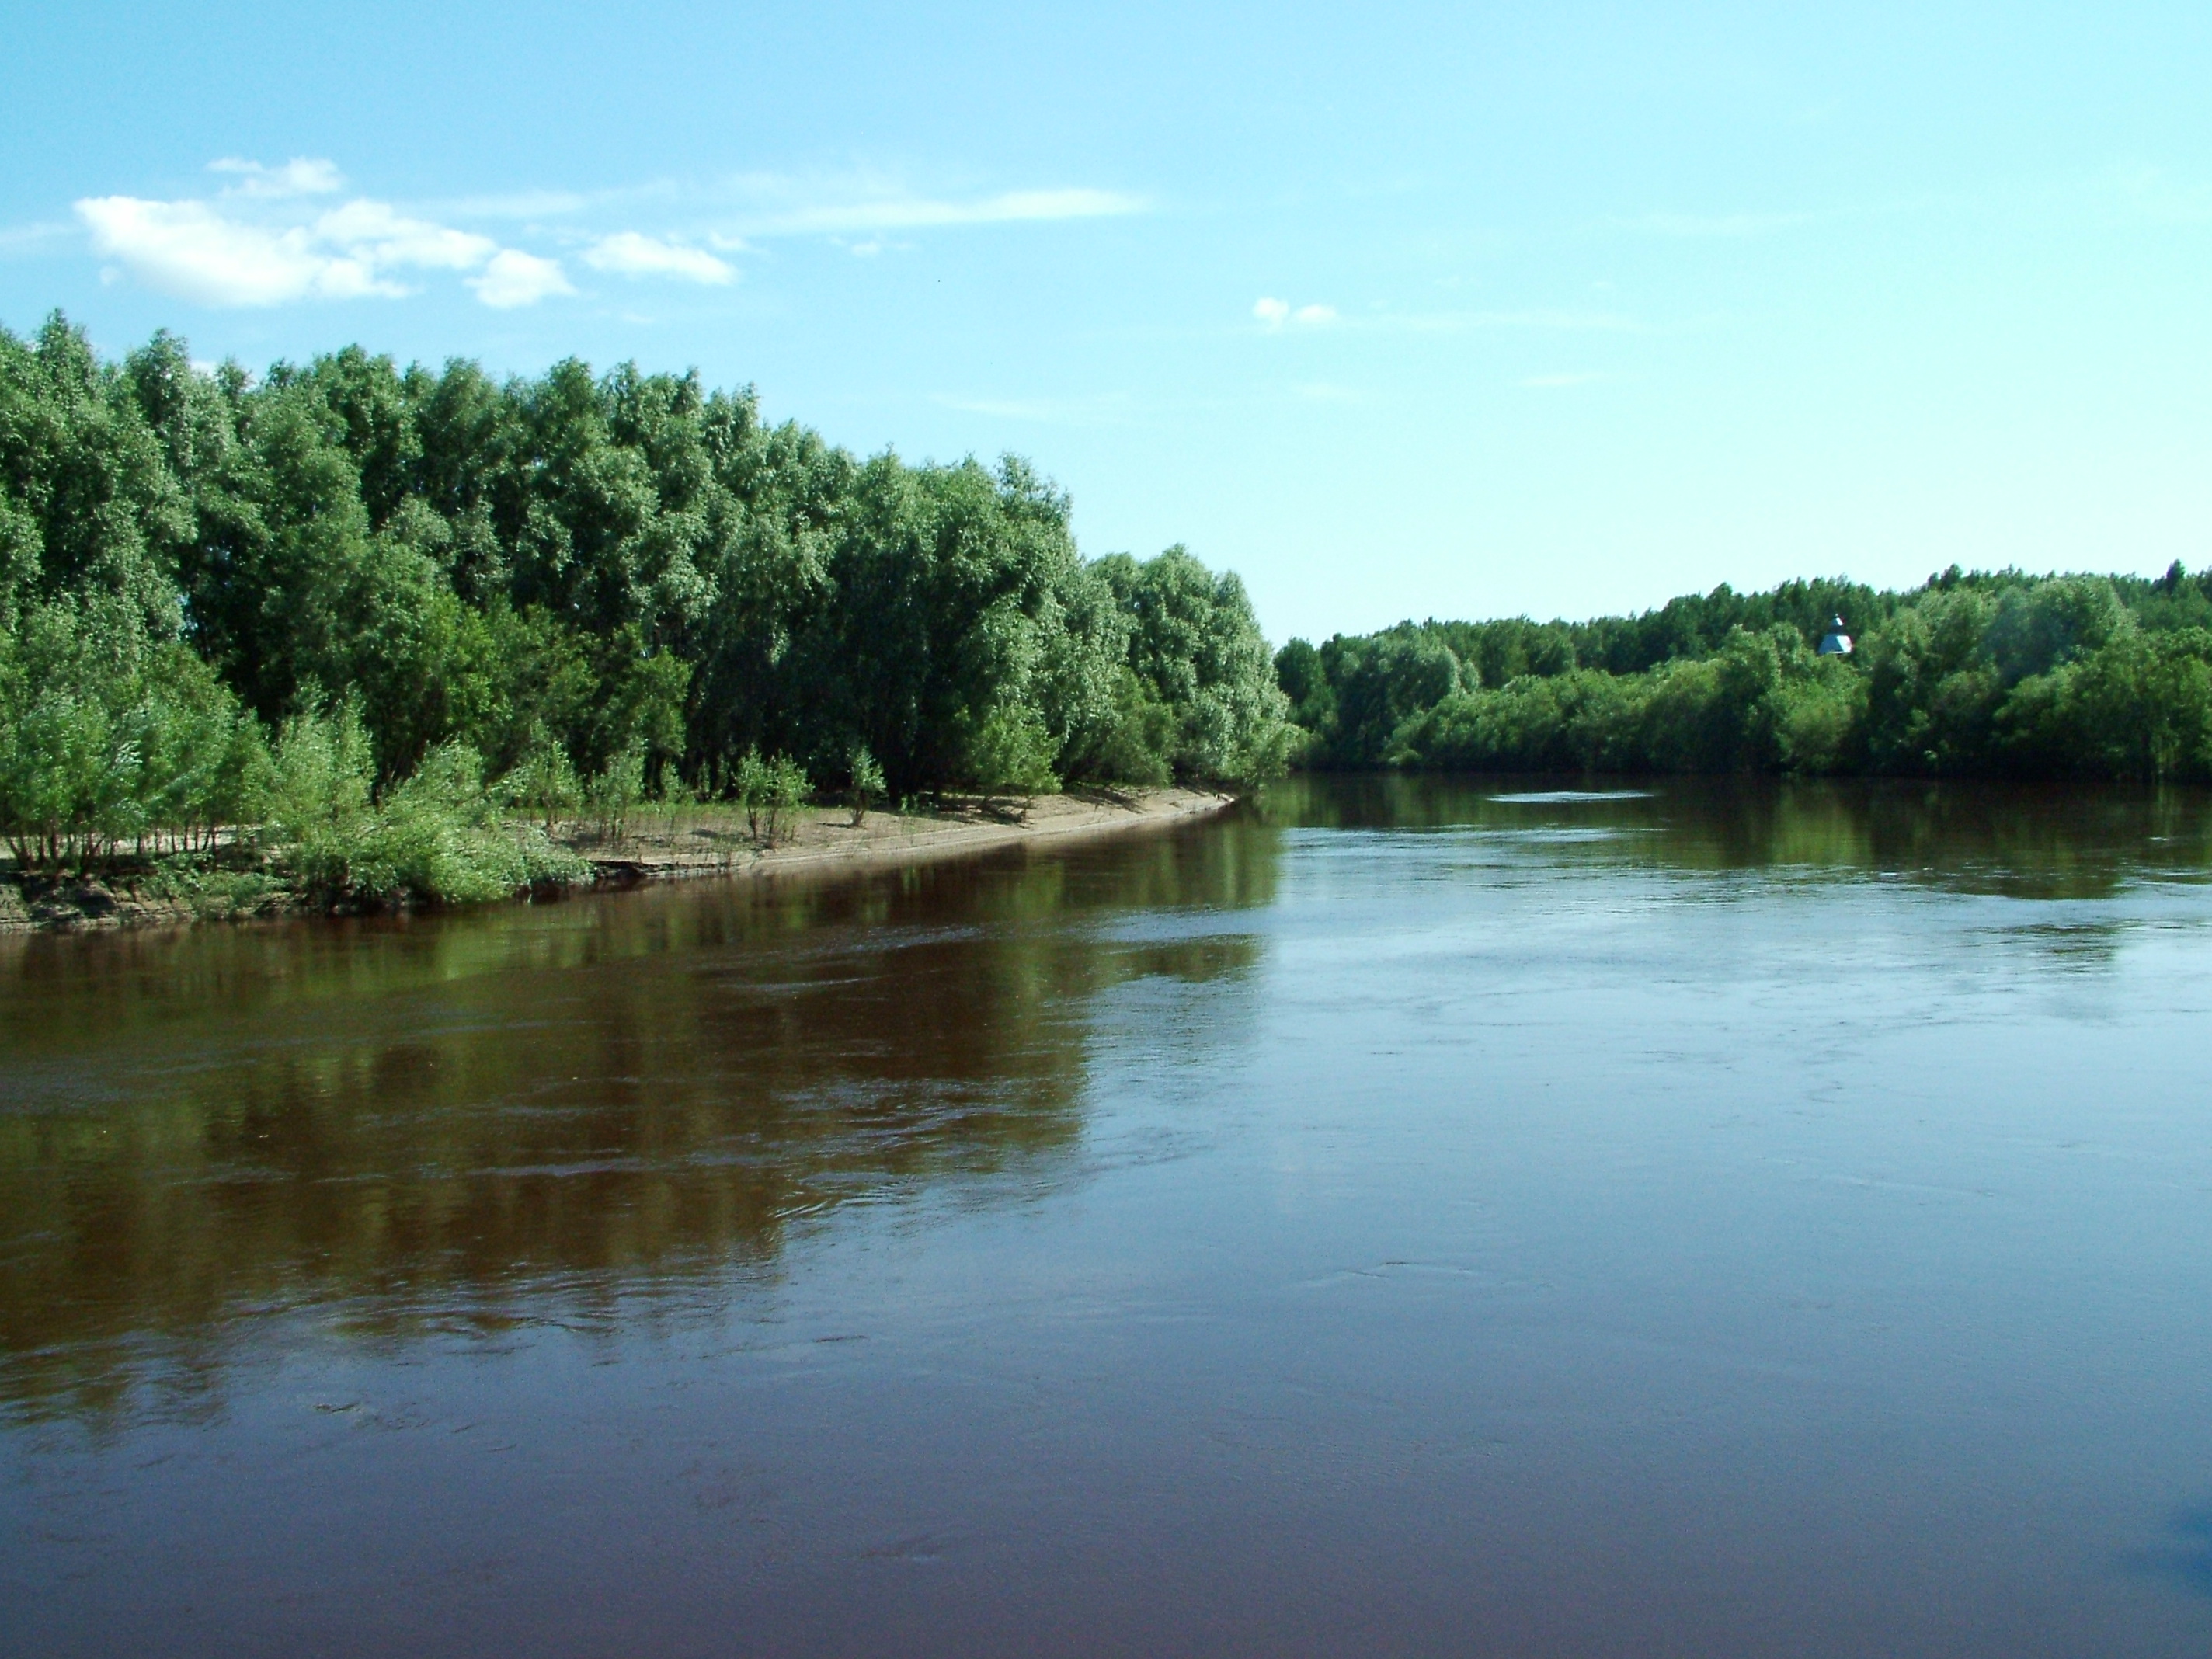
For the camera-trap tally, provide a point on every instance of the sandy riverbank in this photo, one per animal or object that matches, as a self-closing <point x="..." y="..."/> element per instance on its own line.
<point x="703" y="842"/>
<point x="826" y="838"/>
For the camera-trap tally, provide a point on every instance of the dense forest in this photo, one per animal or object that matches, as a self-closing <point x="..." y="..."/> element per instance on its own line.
<point x="374" y="613"/>
<point x="1979" y="674"/>
<point x="381" y="617"/>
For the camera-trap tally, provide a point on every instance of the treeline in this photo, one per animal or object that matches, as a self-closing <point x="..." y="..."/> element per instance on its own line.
<point x="422" y="586"/>
<point x="1972" y="674"/>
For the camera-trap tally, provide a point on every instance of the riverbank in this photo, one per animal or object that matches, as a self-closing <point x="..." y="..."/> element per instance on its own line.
<point x="656" y="845"/>
<point x="718" y="844"/>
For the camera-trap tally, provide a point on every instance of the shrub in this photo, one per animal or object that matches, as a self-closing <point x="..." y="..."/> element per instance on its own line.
<point x="438" y="836"/>
<point x="865" y="785"/>
<point x="619" y="787"/>
<point x="771" y="793"/>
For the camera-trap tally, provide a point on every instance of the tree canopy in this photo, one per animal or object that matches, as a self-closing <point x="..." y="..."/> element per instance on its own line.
<point x="1971" y="674"/>
<point x="629" y="568"/>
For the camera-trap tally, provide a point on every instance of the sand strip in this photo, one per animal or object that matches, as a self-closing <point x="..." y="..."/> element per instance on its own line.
<point x="827" y="839"/>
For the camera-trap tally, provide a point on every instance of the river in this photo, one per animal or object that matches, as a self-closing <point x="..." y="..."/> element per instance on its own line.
<point x="1405" y="1216"/>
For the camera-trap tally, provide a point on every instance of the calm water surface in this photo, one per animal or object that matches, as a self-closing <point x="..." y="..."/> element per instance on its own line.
<point x="1408" y="1217"/>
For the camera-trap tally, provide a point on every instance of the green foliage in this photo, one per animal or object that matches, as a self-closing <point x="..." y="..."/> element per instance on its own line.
<point x="624" y="569"/>
<point x="863" y="783"/>
<point x="543" y="778"/>
<point x="438" y="836"/>
<point x="618" y="788"/>
<point x="770" y="792"/>
<point x="1007" y="752"/>
<point x="1134" y="743"/>
<point x="1971" y="674"/>
<point x="110" y="734"/>
<point x="630" y="580"/>
<point x="1197" y="653"/>
<point x="210" y="891"/>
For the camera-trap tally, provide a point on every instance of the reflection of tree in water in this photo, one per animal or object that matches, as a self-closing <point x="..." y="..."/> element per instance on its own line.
<point x="2027" y="842"/>
<point x="501" y="1113"/>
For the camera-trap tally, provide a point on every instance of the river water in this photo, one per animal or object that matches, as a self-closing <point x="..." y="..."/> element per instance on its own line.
<point x="1407" y="1217"/>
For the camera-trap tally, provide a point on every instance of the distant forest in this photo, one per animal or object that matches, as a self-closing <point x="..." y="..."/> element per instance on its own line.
<point x="226" y="599"/>
<point x="1977" y="674"/>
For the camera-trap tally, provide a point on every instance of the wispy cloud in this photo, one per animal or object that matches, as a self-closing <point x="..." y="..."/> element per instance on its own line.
<point x="1274" y="313"/>
<point x="24" y="241"/>
<point x="901" y="211"/>
<point x="264" y="238"/>
<point x="1731" y="225"/>
<point x="520" y="204"/>
<point x="375" y="232"/>
<point x="2153" y="195"/>
<point x="628" y="253"/>
<point x="302" y="176"/>
<point x="1111" y="409"/>
<point x="1467" y="322"/>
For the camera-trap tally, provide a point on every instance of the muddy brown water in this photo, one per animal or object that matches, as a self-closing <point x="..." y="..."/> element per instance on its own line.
<point x="1437" y="1218"/>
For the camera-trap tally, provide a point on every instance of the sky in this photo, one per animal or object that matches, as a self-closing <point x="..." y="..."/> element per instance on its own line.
<point x="1397" y="311"/>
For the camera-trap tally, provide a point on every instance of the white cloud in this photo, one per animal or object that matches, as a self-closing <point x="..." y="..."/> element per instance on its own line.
<point x="631" y="254"/>
<point x="187" y="249"/>
<point x="1313" y="314"/>
<point x="256" y="247"/>
<point x="514" y="278"/>
<point x="1272" y="312"/>
<point x="301" y="176"/>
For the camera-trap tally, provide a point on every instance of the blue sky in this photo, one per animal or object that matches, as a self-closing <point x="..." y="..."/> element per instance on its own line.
<point x="1399" y="311"/>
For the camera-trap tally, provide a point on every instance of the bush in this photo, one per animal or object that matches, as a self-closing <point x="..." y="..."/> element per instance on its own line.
<point x="439" y="836"/>
<point x="865" y="783"/>
<point x="544" y="779"/>
<point x="771" y="793"/>
<point x="619" y="787"/>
